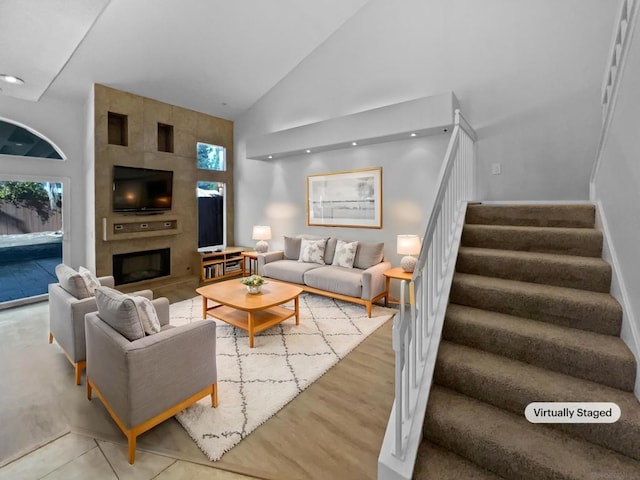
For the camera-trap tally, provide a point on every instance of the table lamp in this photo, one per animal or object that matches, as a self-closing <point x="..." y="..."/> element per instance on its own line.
<point x="408" y="245"/>
<point x="261" y="233"/>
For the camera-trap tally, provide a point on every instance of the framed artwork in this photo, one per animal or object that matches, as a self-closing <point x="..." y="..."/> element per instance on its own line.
<point x="345" y="199"/>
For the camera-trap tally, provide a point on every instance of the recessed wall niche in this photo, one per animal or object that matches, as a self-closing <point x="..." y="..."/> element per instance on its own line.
<point x="117" y="129"/>
<point x="165" y="138"/>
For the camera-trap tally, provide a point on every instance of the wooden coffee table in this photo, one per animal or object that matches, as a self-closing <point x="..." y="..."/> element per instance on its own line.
<point x="252" y="313"/>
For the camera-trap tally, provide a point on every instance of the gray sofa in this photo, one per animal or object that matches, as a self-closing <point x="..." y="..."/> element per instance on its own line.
<point x="363" y="283"/>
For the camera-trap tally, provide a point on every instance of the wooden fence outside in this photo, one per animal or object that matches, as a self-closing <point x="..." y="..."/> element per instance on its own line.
<point x="16" y="220"/>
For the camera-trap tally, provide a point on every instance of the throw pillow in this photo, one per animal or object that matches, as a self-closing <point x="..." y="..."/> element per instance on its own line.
<point x="345" y="254"/>
<point x="368" y="255"/>
<point x="72" y="281"/>
<point x="90" y="280"/>
<point x="119" y="312"/>
<point x="292" y="248"/>
<point x="147" y="313"/>
<point x="312" y="251"/>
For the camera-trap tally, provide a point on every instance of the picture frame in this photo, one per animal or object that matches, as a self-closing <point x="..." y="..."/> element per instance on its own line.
<point x="350" y="198"/>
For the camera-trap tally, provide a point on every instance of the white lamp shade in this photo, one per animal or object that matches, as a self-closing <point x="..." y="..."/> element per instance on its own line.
<point x="408" y="245"/>
<point x="261" y="232"/>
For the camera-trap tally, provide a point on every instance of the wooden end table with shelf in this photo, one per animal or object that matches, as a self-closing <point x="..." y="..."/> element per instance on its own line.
<point x="396" y="273"/>
<point x="252" y="257"/>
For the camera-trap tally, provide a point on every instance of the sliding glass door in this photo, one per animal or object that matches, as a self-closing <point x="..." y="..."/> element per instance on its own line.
<point x="30" y="237"/>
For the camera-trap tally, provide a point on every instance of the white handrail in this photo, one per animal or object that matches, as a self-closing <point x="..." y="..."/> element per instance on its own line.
<point x="417" y="330"/>
<point x="624" y="28"/>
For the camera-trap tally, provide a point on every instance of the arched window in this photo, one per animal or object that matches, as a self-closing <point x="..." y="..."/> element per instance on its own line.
<point x="18" y="140"/>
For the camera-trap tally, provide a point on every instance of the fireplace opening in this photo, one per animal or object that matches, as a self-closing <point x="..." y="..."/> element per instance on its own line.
<point x="138" y="266"/>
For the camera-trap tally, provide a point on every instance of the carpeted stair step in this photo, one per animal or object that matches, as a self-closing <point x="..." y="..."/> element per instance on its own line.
<point x="593" y="311"/>
<point x="435" y="463"/>
<point x="591" y="356"/>
<point x="585" y="242"/>
<point x="511" y="385"/>
<point x="586" y="273"/>
<point x="508" y="445"/>
<point x="571" y="216"/>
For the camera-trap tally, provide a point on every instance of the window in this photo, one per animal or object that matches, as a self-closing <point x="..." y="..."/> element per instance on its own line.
<point x="212" y="221"/>
<point x="211" y="157"/>
<point x="17" y="140"/>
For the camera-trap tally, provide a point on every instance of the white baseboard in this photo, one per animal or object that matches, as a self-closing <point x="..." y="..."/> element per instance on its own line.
<point x="629" y="333"/>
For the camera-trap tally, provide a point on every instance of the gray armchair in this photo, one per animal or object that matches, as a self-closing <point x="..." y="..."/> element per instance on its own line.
<point x="66" y="319"/>
<point x="148" y="380"/>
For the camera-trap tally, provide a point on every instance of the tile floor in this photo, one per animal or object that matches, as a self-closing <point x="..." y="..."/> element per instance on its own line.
<point x="74" y="456"/>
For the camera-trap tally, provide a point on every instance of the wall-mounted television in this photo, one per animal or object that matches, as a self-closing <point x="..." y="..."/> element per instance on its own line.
<point x="142" y="190"/>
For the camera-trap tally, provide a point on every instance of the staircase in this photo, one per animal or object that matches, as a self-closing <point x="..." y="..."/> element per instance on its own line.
<point x="530" y="319"/>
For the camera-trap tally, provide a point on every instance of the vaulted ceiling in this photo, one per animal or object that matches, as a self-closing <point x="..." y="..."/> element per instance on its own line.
<point x="214" y="56"/>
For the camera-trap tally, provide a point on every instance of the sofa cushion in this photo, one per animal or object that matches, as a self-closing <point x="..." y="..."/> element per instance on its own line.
<point x="72" y="281"/>
<point x="290" y="271"/>
<point x="368" y="255"/>
<point x="345" y="281"/>
<point x="119" y="312"/>
<point x="345" y="254"/>
<point x="330" y="250"/>
<point x="312" y="250"/>
<point x="292" y="247"/>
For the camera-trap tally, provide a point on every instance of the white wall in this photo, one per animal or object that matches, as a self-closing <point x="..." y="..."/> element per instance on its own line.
<point x="62" y="124"/>
<point x="274" y="192"/>
<point x="527" y="74"/>
<point x="618" y="194"/>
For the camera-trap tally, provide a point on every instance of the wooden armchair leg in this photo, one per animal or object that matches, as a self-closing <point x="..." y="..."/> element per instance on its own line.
<point x="131" y="437"/>
<point x="80" y="366"/>
<point x="214" y="395"/>
<point x="88" y="389"/>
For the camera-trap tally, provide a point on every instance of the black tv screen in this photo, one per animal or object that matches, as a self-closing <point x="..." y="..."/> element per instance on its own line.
<point x="141" y="189"/>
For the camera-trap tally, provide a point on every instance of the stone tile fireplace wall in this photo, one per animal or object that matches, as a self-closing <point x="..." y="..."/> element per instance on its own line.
<point x="160" y="136"/>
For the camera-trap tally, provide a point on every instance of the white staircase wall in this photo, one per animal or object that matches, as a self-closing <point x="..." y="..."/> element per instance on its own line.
<point x="617" y="193"/>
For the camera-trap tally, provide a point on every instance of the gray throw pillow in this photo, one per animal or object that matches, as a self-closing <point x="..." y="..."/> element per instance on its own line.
<point x="330" y="250"/>
<point x="312" y="251"/>
<point x="292" y="248"/>
<point x="90" y="280"/>
<point x="147" y="314"/>
<point x="345" y="254"/>
<point x="119" y="312"/>
<point x="72" y="281"/>
<point x="368" y="255"/>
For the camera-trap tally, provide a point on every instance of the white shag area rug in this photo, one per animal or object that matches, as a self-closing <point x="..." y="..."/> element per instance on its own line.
<point x="255" y="383"/>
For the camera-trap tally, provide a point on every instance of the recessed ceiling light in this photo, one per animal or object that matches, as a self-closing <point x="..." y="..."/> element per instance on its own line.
<point x="354" y="143"/>
<point x="413" y="134"/>
<point x="270" y="157"/>
<point x="11" y="79"/>
<point x="308" y="151"/>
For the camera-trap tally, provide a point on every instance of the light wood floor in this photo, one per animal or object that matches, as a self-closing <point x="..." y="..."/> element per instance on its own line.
<point x="333" y="429"/>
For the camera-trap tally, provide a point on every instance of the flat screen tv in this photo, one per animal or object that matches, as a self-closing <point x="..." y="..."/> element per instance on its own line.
<point x="143" y="190"/>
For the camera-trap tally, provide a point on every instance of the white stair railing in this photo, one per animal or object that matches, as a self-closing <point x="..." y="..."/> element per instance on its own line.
<point x="418" y="327"/>
<point x="617" y="60"/>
